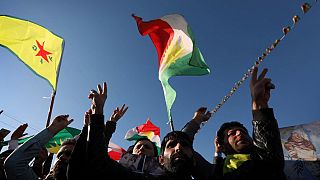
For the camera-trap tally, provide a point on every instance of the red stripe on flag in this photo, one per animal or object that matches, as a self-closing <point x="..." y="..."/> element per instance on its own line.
<point x="160" y="32"/>
<point x="148" y="126"/>
<point x="115" y="155"/>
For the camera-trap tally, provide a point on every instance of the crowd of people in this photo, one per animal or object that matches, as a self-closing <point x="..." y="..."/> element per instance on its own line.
<point x="86" y="157"/>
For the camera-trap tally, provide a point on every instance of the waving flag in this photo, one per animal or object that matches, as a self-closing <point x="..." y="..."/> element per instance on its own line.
<point x="115" y="152"/>
<point x="147" y="130"/>
<point x="34" y="45"/>
<point x="177" y="53"/>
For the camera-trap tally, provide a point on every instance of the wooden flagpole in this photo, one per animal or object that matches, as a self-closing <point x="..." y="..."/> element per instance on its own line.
<point x="53" y="95"/>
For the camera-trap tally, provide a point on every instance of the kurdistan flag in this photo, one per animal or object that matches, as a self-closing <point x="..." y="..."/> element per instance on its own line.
<point x="178" y="54"/>
<point x="34" y="45"/>
<point x="115" y="151"/>
<point x="147" y="130"/>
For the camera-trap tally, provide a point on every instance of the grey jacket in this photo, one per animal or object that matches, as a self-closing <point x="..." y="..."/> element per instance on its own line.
<point x="17" y="164"/>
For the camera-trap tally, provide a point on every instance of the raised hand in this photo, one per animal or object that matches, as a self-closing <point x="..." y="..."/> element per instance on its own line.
<point x="118" y="113"/>
<point x="218" y="148"/>
<point x="18" y="133"/>
<point x="202" y="115"/>
<point x="260" y="89"/>
<point x="60" y="122"/>
<point x="86" y="117"/>
<point x="98" y="98"/>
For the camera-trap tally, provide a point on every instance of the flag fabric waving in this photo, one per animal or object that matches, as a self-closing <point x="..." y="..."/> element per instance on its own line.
<point x="177" y="53"/>
<point x="115" y="152"/>
<point x="34" y="45"/>
<point x="147" y="130"/>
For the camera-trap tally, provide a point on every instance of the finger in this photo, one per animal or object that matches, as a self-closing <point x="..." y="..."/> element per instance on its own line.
<point x="125" y="110"/>
<point x="99" y="89"/>
<point x="93" y="91"/>
<point x="23" y="127"/>
<point x="70" y="121"/>
<point x="270" y="86"/>
<point x="90" y="111"/>
<point x="60" y="117"/>
<point x="122" y="107"/>
<point x="263" y="74"/>
<point x="216" y="142"/>
<point x="264" y="82"/>
<point x="254" y="75"/>
<point x="104" y="88"/>
<point x="209" y="114"/>
<point x="202" y="109"/>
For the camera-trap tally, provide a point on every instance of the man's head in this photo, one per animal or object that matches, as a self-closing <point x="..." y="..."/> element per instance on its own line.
<point x="177" y="153"/>
<point x="66" y="149"/>
<point x="234" y="138"/>
<point x="144" y="146"/>
<point x="59" y="170"/>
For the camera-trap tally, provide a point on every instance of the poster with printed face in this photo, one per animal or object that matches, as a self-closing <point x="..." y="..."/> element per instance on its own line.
<point x="301" y="148"/>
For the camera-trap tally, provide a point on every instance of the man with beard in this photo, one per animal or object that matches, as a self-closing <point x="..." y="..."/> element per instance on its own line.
<point x="260" y="157"/>
<point x="17" y="164"/>
<point x="90" y="160"/>
<point x="177" y="155"/>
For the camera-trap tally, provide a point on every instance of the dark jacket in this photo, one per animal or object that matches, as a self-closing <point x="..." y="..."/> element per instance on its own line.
<point x="203" y="170"/>
<point x="90" y="159"/>
<point x="267" y="160"/>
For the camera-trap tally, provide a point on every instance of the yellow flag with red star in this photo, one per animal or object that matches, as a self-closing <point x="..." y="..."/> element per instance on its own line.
<point x="35" y="46"/>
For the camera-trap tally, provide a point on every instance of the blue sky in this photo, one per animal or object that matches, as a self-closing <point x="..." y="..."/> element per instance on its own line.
<point x="102" y="43"/>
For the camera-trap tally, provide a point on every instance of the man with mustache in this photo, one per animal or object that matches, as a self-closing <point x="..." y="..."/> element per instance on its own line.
<point x="177" y="155"/>
<point x="260" y="157"/>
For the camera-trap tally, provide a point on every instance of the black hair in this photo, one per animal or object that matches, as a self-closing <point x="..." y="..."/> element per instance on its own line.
<point x="69" y="141"/>
<point x="175" y="135"/>
<point x="225" y="126"/>
<point x="155" y="149"/>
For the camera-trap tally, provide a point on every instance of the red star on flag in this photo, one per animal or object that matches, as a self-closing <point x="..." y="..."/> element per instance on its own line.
<point x="43" y="53"/>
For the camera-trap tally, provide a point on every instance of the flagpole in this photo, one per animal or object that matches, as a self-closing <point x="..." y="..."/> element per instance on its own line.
<point x="171" y="124"/>
<point x="48" y="161"/>
<point x="53" y="95"/>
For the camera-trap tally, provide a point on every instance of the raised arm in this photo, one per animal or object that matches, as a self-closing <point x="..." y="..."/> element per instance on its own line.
<point x="192" y="127"/>
<point x="266" y="135"/>
<point x="17" y="164"/>
<point x="112" y="122"/>
<point x="99" y="163"/>
<point x="203" y="169"/>
<point x="18" y="133"/>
